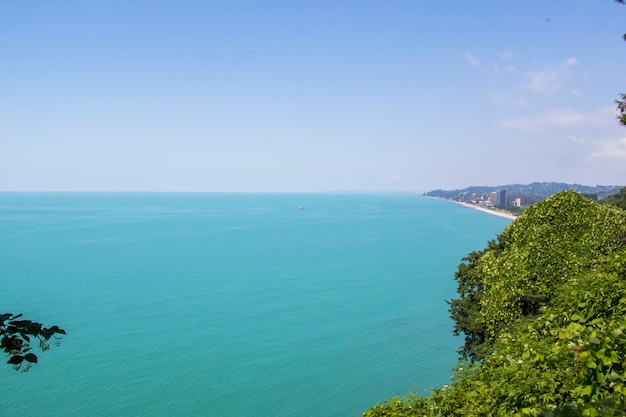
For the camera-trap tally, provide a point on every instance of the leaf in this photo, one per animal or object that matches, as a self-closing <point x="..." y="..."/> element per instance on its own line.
<point x="16" y="360"/>
<point x="613" y="376"/>
<point x="46" y="334"/>
<point x="30" y="357"/>
<point x="20" y="323"/>
<point x="56" y="329"/>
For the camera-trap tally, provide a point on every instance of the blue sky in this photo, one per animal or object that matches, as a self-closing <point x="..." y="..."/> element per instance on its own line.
<point x="392" y="95"/>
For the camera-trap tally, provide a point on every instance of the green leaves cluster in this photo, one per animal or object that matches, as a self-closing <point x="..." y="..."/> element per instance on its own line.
<point x="597" y="334"/>
<point x="543" y="312"/>
<point x="16" y="338"/>
<point x="554" y="242"/>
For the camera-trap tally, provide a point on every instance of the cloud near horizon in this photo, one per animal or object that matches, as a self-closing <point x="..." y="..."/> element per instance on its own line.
<point x="610" y="149"/>
<point x="559" y="118"/>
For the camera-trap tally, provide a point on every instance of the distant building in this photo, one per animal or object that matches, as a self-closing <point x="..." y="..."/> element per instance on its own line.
<point x="493" y="197"/>
<point x="501" y="198"/>
<point x="517" y="202"/>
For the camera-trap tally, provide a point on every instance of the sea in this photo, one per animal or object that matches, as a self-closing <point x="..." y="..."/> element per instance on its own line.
<point x="232" y="304"/>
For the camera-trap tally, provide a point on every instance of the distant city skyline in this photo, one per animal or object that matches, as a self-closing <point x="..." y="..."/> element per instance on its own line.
<point x="325" y="96"/>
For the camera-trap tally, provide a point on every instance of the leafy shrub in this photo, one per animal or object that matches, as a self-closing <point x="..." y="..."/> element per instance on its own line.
<point x="543" y="311"/>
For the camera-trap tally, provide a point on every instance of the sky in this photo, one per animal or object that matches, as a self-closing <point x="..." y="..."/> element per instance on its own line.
<point x="309" y="96"/>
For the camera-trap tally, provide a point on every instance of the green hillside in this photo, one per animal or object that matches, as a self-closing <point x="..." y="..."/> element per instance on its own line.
<point x="543" y="313"/>
<point x="618" y="199"/>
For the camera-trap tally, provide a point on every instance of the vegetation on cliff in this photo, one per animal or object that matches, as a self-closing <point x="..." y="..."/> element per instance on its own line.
<point x="543" y="312"/>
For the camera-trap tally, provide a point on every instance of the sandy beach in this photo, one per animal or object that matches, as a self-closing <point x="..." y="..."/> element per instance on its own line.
<point x="488" y="210"/>
<point x="479" y="208"/>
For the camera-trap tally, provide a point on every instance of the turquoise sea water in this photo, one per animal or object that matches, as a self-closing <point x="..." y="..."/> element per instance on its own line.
<point x="232" y="304"/>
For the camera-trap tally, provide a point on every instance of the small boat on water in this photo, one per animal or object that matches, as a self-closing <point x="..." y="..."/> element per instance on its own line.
<point x="301" y="208"/>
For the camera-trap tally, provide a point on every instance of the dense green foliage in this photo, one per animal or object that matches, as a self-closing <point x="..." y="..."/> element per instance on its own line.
<point x="16" y="336"/>
<point x="618" y="199"/>
<point x="543" y="311"/>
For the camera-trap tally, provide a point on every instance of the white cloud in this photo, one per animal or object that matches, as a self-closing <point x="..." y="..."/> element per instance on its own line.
<point x="507" y="99"/>
<point x="506" y="55"/>
<point x="395" y="178"/>
<point x="500" y="98"/>
<point x="560" y="118"/>
<point x="473" y="61"/>
<point x="538" y="122"/>
<point x="547" y="78"/>
<point x="610" y="149"/>
<point x="578" y="140"/>
<point x="550" y="78"/>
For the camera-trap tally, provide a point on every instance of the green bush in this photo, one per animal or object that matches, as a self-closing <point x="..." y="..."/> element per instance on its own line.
<point x="543" y="311"/>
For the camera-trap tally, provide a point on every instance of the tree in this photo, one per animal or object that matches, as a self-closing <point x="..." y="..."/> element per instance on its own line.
<point x="466" y="310"/>
<point x="539" y="256"/>
<point x="621" y="107"/>
<point x="515" y="276"/>
<point x="16" y="339"/>
<point x="621" y="104"/>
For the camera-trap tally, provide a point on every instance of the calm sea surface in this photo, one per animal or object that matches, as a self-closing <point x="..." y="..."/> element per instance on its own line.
<point x="232" y="304"/>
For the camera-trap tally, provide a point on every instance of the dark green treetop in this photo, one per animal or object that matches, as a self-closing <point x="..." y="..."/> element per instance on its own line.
<point x="517" y="275"/>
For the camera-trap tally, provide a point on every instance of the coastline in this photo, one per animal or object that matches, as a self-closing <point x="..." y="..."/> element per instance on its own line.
<point x="488" y="211"/>
<point x="493" y="212"/>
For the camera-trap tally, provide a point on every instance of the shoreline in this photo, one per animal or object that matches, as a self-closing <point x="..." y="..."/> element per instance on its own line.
<point x="493" y="212"/>
<point x="487" y="210"/>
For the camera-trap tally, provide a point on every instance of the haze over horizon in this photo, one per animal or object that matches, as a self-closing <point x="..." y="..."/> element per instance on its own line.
<point x="288" y="96"/>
